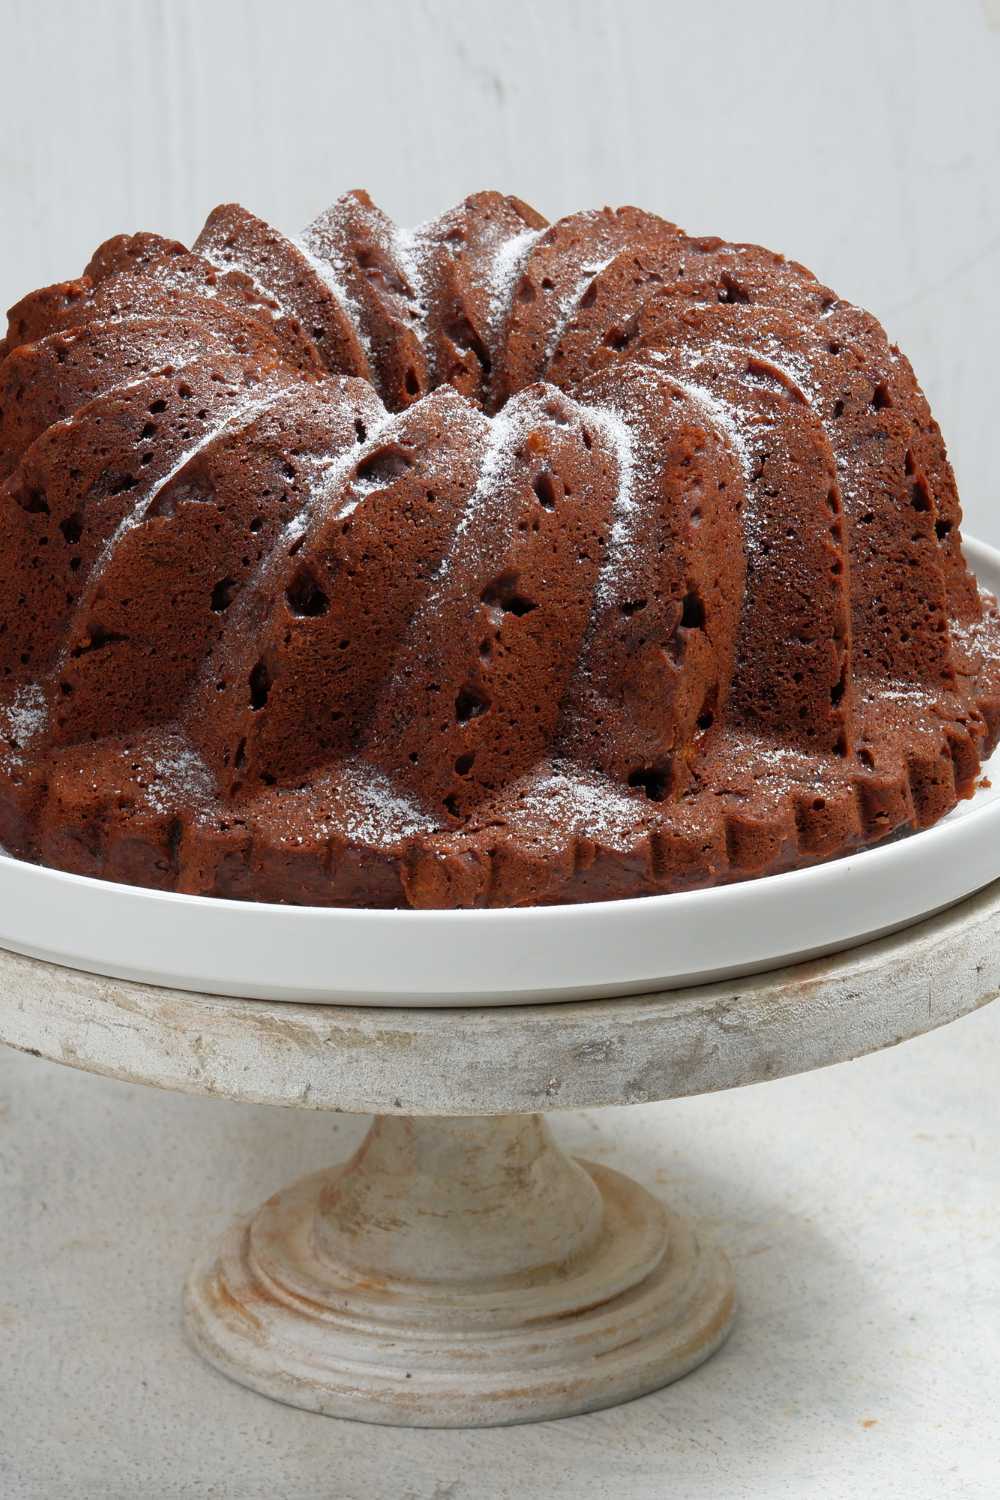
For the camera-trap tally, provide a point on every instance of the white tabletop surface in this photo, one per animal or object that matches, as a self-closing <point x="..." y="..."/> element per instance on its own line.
<point x="860" y="1205"/>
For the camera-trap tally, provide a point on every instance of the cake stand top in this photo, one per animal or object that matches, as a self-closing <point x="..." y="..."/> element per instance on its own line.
<point x="513" y="1059"/>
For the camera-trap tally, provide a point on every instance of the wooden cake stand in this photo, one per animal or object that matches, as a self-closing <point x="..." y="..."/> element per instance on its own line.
<point x="459" y="1269"/>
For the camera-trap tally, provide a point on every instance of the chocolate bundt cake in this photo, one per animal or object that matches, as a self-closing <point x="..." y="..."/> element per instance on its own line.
<point x="489" y="563"/>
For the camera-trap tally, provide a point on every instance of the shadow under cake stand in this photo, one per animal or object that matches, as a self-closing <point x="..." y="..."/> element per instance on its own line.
<point x="460" y="1269"/>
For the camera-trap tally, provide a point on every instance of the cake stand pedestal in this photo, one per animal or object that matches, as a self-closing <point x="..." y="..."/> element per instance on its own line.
<point x="460" y="1269"/>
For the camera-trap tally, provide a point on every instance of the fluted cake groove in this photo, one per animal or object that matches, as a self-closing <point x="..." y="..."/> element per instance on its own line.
<point x="492" y="562"/>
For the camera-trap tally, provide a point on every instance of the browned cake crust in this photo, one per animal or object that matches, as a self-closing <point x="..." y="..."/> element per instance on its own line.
<point x="488" y="563"/>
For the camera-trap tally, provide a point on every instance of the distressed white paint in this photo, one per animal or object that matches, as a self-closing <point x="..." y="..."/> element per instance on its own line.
<point x="861" y="138"/>
<point x="860" y="1206"/>
<point x="513" y="1059"/>
<point x="460" y="1272"/>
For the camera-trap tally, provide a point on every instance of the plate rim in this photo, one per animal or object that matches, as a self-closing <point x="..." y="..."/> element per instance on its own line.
<point x="556" y="923"/>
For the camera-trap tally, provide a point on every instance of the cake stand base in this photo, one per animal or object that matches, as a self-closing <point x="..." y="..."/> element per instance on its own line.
<point x="459" y="1272"/>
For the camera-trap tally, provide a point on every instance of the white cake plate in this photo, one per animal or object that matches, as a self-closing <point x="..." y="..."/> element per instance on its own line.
<point x="459" y="1269"/>
<point x="447" y="958"/>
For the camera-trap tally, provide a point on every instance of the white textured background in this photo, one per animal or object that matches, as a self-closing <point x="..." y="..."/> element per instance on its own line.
<point x="862" y="138"/>
<point x="860" y="1204"/>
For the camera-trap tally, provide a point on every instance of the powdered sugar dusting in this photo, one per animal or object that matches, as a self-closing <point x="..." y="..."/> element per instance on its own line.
<point x="24" y="717"/>
<point x="568" y="304"/>
<point x="791" y="363"/>
<point x="373" y="812"/>
<point x="781" y="768"/>
<point x="330" y="272"/>
<point x="179" y="778"/>
<point x="506" y="430"/>
<point x="906" y="693"/>
<point x="982" y="635"/>
<point x="325" y="477"/>
<point x="576" y="802"/>
<point x="208" y="252"/>
<point x="504" y="272"/>
<point x="733" y="360"/>
<point x="120" y="388"/>
<point x="726" y="416"/>
<point x="362" y="485"/>
<point x="394" y="263"/>
<point x="625" y="509"/>
<point x="877" y="691"/>
<point x="413" y="254"/>
<point x="243" y="414"/>
<point x="328" y="476"/>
